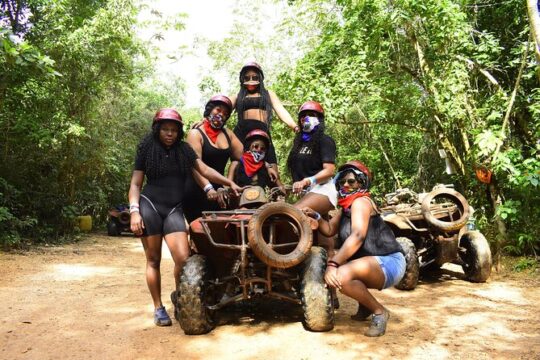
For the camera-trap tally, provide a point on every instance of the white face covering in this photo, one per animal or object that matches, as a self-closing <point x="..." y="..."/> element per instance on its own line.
<point x="309" y="123"/>
<point x="258" y="156"/>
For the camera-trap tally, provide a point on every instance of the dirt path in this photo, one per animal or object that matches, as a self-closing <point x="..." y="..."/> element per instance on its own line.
<point x="89" y="301"/>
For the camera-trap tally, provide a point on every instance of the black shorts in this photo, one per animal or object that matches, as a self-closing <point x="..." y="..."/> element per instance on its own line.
<point x="161" y="220"/>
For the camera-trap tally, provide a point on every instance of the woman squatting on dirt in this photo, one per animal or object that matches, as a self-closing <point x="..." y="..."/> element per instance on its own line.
<point x="156" y="211"/>
<point x="369" y="256"/>
<point x="215" y="145"/>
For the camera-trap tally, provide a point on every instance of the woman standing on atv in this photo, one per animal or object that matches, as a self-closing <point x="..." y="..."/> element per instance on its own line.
<point x="369" y="256"/>
<point x="215" y="145"/>
<point x="250" y="170"/>
<point x="254" y="105"/>
<point x="312" y="160"/>
<point x="157" y="212"/>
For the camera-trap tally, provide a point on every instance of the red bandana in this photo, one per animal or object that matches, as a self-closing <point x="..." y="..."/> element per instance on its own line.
<point x="347" y="201"/>
<point x="250" y="166"/>
<point x="210" y="131"/>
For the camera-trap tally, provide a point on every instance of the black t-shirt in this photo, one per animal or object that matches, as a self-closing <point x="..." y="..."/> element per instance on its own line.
<point x="306" y="164"/>
<point x="165" y="171"/>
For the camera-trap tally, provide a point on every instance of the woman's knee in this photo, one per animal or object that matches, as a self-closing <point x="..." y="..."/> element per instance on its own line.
<point x="154" y="261"/>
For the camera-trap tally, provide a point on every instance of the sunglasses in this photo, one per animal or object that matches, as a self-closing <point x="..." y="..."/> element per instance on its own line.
<point x="258" y="147"/>
<point x="350" y="182"/>
<point x="251" y="78"/>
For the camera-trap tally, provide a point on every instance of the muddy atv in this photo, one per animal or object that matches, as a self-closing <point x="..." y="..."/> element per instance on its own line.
<point x="119" y="220"/>
<point x="250" y="253"/>
<point x="433" y="229"/>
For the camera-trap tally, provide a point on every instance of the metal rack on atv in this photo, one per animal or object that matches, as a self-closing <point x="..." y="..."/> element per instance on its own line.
<point x="248" y="253"/>
<point x="431" y="228"/>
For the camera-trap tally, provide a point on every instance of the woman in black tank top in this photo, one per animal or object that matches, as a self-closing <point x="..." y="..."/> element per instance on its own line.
<point x="215" y="145"/>
<point x="254" y="105"/>
<point x="369" y="256"/>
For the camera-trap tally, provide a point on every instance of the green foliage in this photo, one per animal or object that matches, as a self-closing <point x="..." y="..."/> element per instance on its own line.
<point x="525" y="263"/>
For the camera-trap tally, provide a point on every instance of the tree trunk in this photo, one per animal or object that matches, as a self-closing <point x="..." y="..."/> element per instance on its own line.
<point x="500" y="241"/>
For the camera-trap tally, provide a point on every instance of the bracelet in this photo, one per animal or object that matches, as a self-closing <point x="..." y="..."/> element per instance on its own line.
<point x="133" y="209"/>
<point x="312" y="180"/>
<point x="208" y="187"/>
<point x="332" y="263"/>
<point x="317" y="216"/>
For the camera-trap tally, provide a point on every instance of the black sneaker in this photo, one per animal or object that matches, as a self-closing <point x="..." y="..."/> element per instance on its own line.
<point x="362" y="314"/>
<point x="378" y="324"/>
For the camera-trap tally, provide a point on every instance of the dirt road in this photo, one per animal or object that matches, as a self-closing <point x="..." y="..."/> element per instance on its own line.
<point x="89" y="301"/>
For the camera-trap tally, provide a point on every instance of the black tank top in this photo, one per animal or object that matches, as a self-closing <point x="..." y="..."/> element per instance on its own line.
<point x="379" y="241"/>
<point x="253" y="102"/>
<point x="261" y="178"/>
<point x="214" y="157"/>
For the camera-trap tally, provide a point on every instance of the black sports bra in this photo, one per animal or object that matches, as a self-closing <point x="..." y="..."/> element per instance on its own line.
<point x="253" y="102"/>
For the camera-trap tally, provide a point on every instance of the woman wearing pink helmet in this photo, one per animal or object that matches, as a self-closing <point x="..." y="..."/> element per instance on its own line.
<point x="369" y="256"/>
<point x="156" y="211"/>
<point x="312" y="160"/>
<point x="254" y="105"/>
<point x="215" y="144"/>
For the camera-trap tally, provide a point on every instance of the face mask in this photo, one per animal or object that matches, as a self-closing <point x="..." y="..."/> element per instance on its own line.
<point x="251" y="88"/>
<point x="309" y="124"/>
<point x="216" y="121"/>
<point x="258" y="156"/>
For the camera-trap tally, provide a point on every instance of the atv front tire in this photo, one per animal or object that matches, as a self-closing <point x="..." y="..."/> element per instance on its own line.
<point x="112" y="228"/>
<point x="315" y="295"/>
<point x="194" y="316"/>
<point x="412" y="267"/>
<point x="475" y="255"/>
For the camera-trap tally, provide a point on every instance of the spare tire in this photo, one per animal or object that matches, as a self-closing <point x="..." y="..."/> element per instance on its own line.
<point x="457" y="198"/>
<point x="263" y="251"/>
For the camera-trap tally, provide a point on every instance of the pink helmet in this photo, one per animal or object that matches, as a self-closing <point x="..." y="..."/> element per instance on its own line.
<point x="222" y="99"/>
<point x="168" y="114"/>
<point x="311" y="106"/>
<point x="252" y="65"/>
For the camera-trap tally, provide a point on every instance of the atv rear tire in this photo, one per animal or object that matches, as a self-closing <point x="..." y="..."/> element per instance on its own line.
<point x="112" y="228"/>
<point x="260" y="247"/>
<point x="194" y="316"/>
<point x="315" y="295"/>
<point x="476" y="257"/>
<point x="412" y="267"/>
<point x="457" y="198"/>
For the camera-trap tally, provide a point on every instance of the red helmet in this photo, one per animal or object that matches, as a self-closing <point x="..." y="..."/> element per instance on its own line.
<point x="252" y="65"/>
<point x="221" y="99"/>
<point x="359" y="169"/>
<point x="168" y="114"/>
<point x="311" y="106"/>
<point x="257" y="133"/>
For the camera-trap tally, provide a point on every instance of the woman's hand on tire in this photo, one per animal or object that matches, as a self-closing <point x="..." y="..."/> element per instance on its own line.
<point x="136" y="223"/>
<point x="272" y="172"/>
<point x="223" y="198"/>
<point x="331" y="277"/>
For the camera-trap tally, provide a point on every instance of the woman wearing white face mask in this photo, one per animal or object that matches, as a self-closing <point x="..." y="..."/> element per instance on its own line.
<point x="215" y="145"/>
<point x="312" y="160"/>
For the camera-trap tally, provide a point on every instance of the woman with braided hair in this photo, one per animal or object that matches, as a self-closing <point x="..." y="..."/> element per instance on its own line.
<point x="215" y="144"/>
<point x="369" y="256"/>
<point x="156" y="211"/>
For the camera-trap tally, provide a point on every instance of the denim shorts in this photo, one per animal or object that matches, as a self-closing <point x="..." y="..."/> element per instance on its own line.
<point x="393" y="266"/>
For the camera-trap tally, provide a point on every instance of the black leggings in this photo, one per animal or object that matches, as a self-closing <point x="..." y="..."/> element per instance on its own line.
<point x="160" y="219"/>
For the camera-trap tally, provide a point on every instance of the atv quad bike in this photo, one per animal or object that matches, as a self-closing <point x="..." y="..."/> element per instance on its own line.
<point x="251" y="253"/>
<point x="432" y="229"/>
<point x="119" y="220"/>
